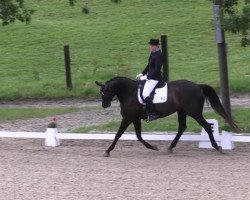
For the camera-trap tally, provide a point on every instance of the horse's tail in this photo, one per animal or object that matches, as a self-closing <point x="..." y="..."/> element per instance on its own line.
<point x="214" y="100"/>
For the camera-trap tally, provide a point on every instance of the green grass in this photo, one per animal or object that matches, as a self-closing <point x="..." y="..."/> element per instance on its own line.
<point x="27" y="113"/>
<point x="112" y="40"/>
<point x="170" y="123"/>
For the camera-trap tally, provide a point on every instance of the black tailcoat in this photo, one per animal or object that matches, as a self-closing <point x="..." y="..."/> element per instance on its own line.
<point x="153" y="68"/>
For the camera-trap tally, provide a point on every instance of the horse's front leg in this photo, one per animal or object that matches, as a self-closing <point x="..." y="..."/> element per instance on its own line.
<point x="137" y="125"/>
<point x="124" y="125"/>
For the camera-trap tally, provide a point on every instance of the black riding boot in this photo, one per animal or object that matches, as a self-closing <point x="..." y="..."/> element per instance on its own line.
<point x="150" y="110"/>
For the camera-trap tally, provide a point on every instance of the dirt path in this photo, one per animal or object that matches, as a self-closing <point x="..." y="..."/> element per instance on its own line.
<point x="77" y="170"/>
<point x="68" y="122"/>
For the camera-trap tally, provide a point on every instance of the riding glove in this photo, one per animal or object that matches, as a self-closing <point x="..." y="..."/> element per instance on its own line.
<point x="139" y="76"/>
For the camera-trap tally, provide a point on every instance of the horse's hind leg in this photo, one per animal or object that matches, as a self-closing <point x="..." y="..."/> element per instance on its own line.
<point x="137" y="125"/>
<point x="182" y="127"/>
<point x="208" y="129"/>
<point x="124" y="125"/>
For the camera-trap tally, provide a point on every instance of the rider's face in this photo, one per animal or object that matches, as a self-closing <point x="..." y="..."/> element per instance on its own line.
<point x="154" y="48"/>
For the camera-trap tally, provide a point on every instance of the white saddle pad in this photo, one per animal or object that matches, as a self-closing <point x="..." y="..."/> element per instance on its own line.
<point x="161" y="95"/>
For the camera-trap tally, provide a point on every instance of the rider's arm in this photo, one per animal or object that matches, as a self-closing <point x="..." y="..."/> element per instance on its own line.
<point x="145" y="70"/>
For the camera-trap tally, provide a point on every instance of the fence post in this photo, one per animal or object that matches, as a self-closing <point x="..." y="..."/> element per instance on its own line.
<point x="215" y="129"/>
<point x="67" y="67"/>
<point x="222" y="55"/>
<point x="164" y="48"/>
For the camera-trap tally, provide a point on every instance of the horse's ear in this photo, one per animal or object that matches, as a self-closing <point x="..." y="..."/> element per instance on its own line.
<point x="98" y="83"/>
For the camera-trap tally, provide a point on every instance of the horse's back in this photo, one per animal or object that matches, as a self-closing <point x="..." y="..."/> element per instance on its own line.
<point x="186" y="93"/>
<point x="182" y="83"/>
<point x="184" y="86"/>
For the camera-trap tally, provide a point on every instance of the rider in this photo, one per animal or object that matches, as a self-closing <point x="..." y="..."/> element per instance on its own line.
<point x="152" y="75"/>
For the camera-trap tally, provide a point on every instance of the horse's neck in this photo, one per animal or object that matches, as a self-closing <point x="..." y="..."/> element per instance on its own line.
<point x="125" y="90"/>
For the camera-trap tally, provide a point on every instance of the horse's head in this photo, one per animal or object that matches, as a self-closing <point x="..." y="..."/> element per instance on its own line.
<point x="107" y="93"/>
<point x="121" y="87"/>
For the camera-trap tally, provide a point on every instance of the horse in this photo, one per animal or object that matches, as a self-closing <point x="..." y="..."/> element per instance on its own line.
<point x="184" y="97"/>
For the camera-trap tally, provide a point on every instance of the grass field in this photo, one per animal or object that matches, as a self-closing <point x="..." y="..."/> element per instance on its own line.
<point x="112" y="40"/>
<point x="7" y="114"/>
<point x="241" y="117"/>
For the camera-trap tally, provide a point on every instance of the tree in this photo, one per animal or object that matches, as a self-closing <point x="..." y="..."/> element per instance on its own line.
<point x="12" y="10"/>
<point x="237" y="21"/>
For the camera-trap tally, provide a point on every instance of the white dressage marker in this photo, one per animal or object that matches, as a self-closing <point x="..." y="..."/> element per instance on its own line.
<point x="51" y="139"/>
<point x="215" y="129"/>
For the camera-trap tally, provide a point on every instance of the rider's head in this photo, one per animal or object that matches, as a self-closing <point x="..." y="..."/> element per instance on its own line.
<point x="154" y="44"/>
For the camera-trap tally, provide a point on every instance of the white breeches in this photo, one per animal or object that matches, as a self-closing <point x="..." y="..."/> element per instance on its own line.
<point x="148" y="88"/>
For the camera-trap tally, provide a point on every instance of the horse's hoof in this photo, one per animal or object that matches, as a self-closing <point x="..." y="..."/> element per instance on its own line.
<point x="106" y="154"/>
<point x="155" y="148"/>
<point x="170" y="150"/>
<point x="220" y="149"/>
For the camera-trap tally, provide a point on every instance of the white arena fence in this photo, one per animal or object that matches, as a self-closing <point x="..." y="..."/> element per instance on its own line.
<point x="52" y="137"/>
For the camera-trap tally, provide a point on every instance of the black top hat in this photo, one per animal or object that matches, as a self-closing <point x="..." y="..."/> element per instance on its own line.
<point x="154" y="42"/>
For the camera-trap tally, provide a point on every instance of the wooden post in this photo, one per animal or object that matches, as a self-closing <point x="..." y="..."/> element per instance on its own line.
<point x="222" y="54"/>
<point x="67" y="67"/>
<point x="164" y="48"/>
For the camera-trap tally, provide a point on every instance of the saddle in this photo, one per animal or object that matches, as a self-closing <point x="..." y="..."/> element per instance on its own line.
<point x="158" y="95"/>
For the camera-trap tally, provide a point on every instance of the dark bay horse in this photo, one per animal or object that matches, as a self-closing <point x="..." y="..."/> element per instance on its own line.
<point x="184" y="97"/>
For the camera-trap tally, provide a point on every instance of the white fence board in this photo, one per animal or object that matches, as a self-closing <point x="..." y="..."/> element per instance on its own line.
<point x="241" y="138"/>
<point x="132" y="136"/>
<point x="6" y="134"/>
<point x="52" y="137"/>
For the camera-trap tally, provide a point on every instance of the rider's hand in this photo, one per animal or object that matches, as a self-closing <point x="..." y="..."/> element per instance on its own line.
<point x="142" y="78"/>
<point x="139" y="76"/>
